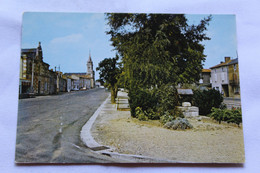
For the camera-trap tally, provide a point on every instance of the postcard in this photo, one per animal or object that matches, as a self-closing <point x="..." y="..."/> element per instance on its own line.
<point x="129" y="88"/>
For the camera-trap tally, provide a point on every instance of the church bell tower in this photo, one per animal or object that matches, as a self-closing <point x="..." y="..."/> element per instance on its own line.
<point x="90" y="71"/>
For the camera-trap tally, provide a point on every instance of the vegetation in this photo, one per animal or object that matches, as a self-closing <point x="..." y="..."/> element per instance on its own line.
<point x="231" y="116"/>
<point x="206" y="100"/>
<point x="178" y="123"/>
<point x="109" y="74"/>
<point x="170" y="116"/>
<point x="158" y="52"/>
<point x="144" y="98"/>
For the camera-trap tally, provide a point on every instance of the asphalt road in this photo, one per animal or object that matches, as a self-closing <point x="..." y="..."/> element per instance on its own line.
<point x="48" y="129"/>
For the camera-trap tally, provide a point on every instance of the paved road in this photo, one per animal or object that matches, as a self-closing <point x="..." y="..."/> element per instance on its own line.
<point x="48" y="129"/>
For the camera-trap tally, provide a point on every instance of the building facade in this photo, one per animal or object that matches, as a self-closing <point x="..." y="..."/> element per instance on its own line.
<point x="225" y="78"/>
<point x="205" y="78"/>
<point x="83" y="80"/>
<point x="34" y="73"/>
<point x="233" y="76"/>
<point x="35" y="76"/>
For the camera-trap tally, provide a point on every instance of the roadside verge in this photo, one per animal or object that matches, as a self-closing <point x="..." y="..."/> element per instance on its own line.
<point x="90" y="142"/>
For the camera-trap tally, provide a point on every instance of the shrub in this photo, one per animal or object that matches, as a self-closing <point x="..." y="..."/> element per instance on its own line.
<point x="171" y="115"/>
<point x="230" y="116"/>
<point x="151" y="114"/>
<point x="206" y="100"/>
<point x="179" y="123"/>
<point x="166" y="117"/>
<point x="235" y="116"/>
<point x="217" y="114"/>
<point x="140" y="114"/>
<point x="143" y="98"/>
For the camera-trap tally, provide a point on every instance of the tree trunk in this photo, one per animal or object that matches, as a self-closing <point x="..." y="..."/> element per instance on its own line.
<point x="113" y="95"/>
<point x="116" y="90"/>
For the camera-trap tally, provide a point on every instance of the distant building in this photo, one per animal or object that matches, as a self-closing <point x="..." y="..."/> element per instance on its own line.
<point x="225" y="77"/>
<point x="34" y="73"/>
<point x="233" y="77"/>
<point x="205" y="78"/>
<point x="85" y="80"/>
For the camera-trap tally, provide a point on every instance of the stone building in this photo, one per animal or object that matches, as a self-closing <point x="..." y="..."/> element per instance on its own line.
<point x="86" y="80"/>
<point x="233" y="77"/>
<point x="35" y="76"/>
<point x="34" y="73"/>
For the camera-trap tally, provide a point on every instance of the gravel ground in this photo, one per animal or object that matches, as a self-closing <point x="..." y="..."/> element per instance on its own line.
<point x="207" y="142"/>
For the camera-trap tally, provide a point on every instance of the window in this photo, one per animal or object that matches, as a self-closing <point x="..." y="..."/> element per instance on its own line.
<point x="235" y="67"/>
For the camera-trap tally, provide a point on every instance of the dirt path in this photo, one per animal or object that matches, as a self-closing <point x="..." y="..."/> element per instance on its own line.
<point x="207" y="142"/>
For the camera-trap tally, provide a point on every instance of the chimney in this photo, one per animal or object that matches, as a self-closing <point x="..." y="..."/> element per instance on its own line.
<point x="227" y="59"/>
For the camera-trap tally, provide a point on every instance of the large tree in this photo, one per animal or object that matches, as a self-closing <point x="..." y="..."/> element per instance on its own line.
<point x="158" y="49"/>
<point x="109" y="74"/>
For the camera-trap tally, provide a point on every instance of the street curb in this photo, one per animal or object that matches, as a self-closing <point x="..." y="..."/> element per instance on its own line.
<point x="89" y="141"/>
<point x="85" y="133"/>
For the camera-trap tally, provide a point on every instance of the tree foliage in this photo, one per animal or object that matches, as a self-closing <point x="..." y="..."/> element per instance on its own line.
<point x="109" y="74"/>
<point x="206" y="100"/>
<point x="157" y="49"/>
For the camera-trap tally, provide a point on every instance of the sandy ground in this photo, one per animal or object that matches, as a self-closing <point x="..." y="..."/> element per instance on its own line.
<point x="207" y="142"/>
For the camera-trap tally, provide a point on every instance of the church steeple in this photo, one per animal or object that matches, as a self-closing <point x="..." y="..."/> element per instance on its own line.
<point x="90" y="70"/>
<point x="90" y="66"/>
<point x="89" y="59"/>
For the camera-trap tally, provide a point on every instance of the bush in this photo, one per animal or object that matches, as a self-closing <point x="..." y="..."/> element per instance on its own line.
<point x="171" y="115"/>
<point x="206" y="100"/>
<point x="230" y="116"/>
<point x="140" y="114"/>
<point x="155" y="103"/>
<point x="143" y="98"/>
<point x="166" y="117"/>
<point x="179" y="123"/>
<point x="151" y="114"/>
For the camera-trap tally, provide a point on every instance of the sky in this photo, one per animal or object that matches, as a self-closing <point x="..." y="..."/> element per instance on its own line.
<point x="67" y="39"/>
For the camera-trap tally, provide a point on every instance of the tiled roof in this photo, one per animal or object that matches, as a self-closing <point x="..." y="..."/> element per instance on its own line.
<point x="206" y="70"/>
<point x="233" y="61"/>
<point x="221" y="64"/>
<point x="230" y="62"/>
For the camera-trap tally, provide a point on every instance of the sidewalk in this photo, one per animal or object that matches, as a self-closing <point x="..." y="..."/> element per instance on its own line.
<point x="96" y="136"/>
<point x="119" y="135"/>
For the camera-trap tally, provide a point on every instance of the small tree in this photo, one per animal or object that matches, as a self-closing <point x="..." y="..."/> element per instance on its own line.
<point x="109" y="74"/>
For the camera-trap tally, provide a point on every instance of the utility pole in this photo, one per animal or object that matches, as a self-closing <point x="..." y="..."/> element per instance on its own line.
<point x="32" y="75"/>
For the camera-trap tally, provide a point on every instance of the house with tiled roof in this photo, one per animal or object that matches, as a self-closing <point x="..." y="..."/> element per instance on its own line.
<point x="225" y="78"/>
<point x="205" y="78"/>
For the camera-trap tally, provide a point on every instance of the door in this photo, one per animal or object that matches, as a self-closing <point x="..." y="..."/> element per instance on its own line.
<point x="39" y="87"/>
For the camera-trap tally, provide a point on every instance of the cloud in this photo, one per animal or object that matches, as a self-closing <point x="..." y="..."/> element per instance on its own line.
<point x="73" y="38"/>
